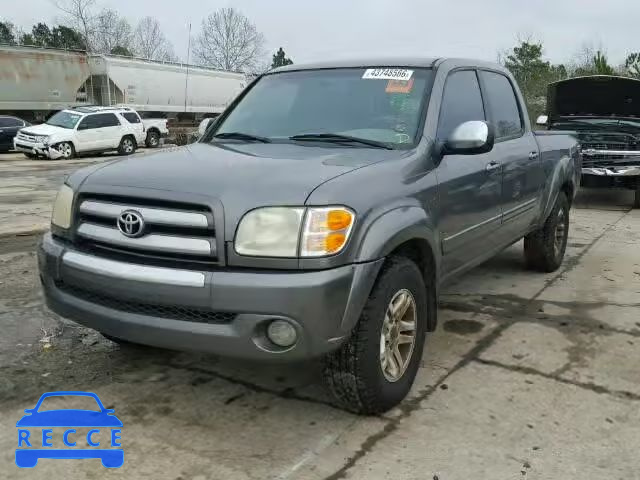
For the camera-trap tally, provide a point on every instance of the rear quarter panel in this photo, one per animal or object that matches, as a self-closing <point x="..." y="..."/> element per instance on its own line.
<point x="562" y="164"/>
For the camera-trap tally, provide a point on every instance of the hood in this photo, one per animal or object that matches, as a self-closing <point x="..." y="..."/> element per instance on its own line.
<point x="44" y="129"/>
<point x="599" y="95"/>
<point x="240" y="176"/>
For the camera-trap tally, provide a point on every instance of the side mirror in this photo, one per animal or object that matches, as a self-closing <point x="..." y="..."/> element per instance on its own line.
<point x="204" y="124"/>
<point x="542" y="120"/>
<point x="470" y="138"/>
<point x="84" y="126"/>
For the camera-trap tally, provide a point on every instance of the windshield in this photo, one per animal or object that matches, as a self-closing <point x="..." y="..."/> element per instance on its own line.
<point x="382" y="105"/>
<point x="64" y="120"/>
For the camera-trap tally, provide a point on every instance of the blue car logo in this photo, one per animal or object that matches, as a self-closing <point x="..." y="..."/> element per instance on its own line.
<point x="32" y="446"/>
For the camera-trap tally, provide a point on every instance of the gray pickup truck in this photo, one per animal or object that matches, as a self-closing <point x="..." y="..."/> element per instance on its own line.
<point x="318" y="216"/>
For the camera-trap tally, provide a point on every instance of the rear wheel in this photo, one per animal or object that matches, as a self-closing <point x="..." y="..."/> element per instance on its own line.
<point x="127" y="146"/>
<point x="544" y="249"/>
<point x="153" y="139"/>
<point x="375" y="369"/>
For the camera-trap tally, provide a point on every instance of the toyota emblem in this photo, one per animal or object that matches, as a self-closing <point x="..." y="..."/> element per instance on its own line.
<point x="131" y="224"/>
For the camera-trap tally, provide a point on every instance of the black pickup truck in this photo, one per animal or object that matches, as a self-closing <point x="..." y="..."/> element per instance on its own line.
<point x="318" y="216"/>
<point x="604" y="113"/>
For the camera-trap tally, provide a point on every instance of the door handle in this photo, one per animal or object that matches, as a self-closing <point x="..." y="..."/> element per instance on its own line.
<point x="491" y="166"/>
<point x="533" y="155"/>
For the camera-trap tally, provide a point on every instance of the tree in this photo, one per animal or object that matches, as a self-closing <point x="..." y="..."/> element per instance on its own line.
<point x="280" y="59"/>
<point x="590" y="60"/>
<point x="632" y="65"/>
<point x="533" y="74"/>
<point x="7" y="33"/>
<point x="601" y="65"/>
<point x="149" y="41"/>
<point x="41" y="35"/>
<point x="111" y="31"/>
<point x="67" y="38"/>
<point x="120" y="50"/>
<point x="229" y="41"/>
<point x="80" y="16"/>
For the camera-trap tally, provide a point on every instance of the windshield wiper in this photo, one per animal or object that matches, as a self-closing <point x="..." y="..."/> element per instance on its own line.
<point x="337" y="138"/>
<point x="242" y="136"/>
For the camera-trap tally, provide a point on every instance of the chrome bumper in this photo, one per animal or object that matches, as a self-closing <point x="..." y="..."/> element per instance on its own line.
<point x="36" y="149"/>
<point x="622" y="171"/>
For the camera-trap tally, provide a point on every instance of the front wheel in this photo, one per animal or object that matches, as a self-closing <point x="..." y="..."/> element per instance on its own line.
<point x="66" y="150"/>
<point x="544" y="248"/>
<point x="127" y="146"/>
<point x="375" y="369"/>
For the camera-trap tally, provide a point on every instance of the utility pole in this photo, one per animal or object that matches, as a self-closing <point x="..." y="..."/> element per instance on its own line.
<point x="186" y="79"/>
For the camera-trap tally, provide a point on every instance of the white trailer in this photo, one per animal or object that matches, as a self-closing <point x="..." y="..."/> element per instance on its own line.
<point x="37" y="81"/>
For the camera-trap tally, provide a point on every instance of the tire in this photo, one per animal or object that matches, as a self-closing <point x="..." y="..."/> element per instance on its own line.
<point x="356" y="374"/>
<point x="66" y="149"/>
<point x="153" y="139"/>
<point x="127" y="145"/>
<point x="544" y="249"/>
<point x="636" y="198"/>
<point x="30" y="156"/>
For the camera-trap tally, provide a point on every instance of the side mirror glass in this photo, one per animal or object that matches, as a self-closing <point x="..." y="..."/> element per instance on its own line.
<point x="542" y="120"/>
<point x="83" y="126"/>
<point x="204" y="124"/>
<point x="471" y="138"/>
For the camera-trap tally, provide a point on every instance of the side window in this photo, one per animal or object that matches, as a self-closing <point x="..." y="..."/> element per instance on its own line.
<point x="461" y="102"/>
<point x="11" y="122"/>
<point x="131" y="117"/>
<point x="503" y="105"/>
<point x="106" y="120"/>
<point x="88" y="122"/>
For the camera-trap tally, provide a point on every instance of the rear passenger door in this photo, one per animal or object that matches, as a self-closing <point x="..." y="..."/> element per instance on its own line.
<point x="109" y="131"/>
<point x="469" y="186"/>
<point x="522" y="175"/>
<point x="136" y="125"/>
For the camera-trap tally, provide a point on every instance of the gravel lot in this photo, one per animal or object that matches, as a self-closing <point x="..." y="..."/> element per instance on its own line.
<point x="528" y="376"/>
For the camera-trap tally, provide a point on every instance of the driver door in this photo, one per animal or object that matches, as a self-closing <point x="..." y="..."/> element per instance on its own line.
<point x="469" y="186"/>
<point x="87" y="134"/>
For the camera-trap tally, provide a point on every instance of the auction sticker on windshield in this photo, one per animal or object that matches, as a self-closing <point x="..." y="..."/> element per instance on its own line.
<point x="387" y="74"/>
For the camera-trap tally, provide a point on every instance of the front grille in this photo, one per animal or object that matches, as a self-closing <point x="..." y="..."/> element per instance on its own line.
<point x="26" y="137"/>
<point x="607" y="142"/>
<point x="172" y="232"/>
<point x="171" y="312"/>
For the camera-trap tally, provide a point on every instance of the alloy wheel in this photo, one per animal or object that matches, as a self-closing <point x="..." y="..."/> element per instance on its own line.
<point x="398" y="336"/>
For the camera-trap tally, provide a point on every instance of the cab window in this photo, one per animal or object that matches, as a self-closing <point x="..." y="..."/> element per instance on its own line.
<point x="461" y="102"/>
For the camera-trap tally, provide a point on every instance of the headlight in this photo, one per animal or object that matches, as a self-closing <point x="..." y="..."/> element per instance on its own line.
<point x="61" y="216"/>
<point x="279" y="231"/>
<point x="270" y="232"/>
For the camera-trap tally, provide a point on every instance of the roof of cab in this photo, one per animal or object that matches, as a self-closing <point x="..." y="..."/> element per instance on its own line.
<point x="416" y="62"/>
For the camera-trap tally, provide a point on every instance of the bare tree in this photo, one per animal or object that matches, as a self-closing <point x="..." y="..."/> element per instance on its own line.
<point x="79" y="15"/>
<point x="149" y="41"/>
<point x="111" y="31"/>
<point x="229" y="40"/>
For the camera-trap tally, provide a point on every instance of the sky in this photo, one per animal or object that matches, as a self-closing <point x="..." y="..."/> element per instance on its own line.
<point x="325" y="29"/>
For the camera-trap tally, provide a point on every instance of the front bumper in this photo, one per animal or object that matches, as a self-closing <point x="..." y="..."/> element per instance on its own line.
<point x="39" y="149"/>
<point x="618" y="171"/>
<point x="323" y="306"/>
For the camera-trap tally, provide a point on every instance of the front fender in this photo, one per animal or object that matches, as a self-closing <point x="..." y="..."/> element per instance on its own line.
<point x="395" y="227"/>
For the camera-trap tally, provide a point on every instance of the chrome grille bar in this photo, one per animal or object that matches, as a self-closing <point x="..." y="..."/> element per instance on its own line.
<point x="150" y="242"/>
<point x="158" y="216"/>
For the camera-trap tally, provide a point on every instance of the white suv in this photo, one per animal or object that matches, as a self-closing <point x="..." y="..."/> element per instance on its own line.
<point x="83" y="130"/>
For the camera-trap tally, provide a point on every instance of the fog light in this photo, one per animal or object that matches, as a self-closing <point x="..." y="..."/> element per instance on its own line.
<point x="282" y="333"/>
